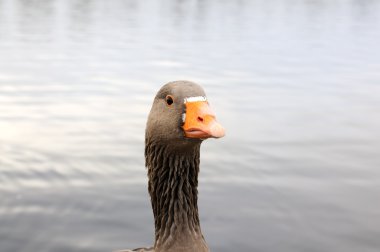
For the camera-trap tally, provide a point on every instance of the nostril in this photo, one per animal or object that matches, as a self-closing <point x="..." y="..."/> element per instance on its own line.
<point x="200" y="119"/>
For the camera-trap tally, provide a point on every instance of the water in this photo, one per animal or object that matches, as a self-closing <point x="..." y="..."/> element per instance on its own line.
<point x="295" y="83"/>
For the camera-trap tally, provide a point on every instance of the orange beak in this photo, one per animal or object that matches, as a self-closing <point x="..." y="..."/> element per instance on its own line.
<point x="200" y="121"/>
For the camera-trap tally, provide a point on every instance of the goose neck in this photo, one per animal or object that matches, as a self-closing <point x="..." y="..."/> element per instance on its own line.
<point x="173" y="182"/>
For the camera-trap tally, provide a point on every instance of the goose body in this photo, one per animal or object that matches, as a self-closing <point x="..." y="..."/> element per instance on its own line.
<point x="179" y="120"/>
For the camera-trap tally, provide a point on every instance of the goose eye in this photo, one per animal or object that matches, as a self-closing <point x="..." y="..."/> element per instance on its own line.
<point x="169" y="100"/>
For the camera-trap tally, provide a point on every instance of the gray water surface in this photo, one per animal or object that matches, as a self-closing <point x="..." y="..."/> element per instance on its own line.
<point x="295" y="83"/>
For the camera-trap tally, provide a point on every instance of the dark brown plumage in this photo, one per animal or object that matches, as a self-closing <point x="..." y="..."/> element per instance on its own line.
<point x="179" y="120"/>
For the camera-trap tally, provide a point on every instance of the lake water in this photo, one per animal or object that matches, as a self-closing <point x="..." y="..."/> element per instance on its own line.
<point x="295" y="83"/>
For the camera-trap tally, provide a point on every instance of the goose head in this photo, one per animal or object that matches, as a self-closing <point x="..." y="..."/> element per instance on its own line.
<point x="181" y="116"/>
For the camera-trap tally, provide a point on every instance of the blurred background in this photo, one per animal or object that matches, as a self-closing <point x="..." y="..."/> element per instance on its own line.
<point x="296" y="84"/>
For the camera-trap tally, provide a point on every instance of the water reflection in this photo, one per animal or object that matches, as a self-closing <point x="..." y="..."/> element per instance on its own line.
<point x="295" y="84"/>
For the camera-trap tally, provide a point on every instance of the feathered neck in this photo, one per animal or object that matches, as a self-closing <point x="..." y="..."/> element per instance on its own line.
<point x="173" y="181"/>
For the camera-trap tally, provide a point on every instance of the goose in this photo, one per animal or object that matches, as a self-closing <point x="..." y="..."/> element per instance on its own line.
<point x="179" y="120"/>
